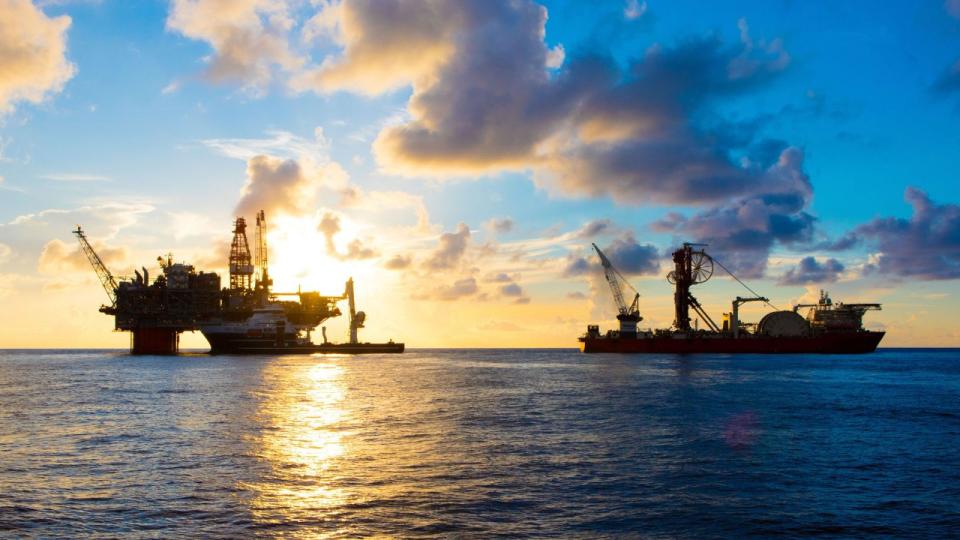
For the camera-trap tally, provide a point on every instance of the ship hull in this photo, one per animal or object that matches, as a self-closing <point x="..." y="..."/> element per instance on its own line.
<point x="331" y="348"/>
<point x="833" y="343"/>
<point x="234" y="343"/>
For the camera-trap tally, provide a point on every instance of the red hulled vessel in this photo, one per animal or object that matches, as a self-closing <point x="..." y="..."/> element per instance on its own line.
<point x="827" y="328"/>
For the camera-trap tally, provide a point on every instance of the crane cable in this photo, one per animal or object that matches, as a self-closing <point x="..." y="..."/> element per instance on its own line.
<point x="767" y="302"/>
<point x="623" y="279"/>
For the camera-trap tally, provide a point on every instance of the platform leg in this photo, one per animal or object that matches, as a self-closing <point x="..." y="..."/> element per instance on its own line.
<point x="155" y="341"/>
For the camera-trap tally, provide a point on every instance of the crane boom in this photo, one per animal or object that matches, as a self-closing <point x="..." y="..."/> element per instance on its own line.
<point x="260" y="254"/>
<point x="106" y="278"/>
<point x="614" y="278"/>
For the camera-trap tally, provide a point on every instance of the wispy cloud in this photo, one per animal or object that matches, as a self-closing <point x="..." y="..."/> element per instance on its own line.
<point x="634" y="9"/>
<point x="8" y="188"/>
<point x="277" y="143"/>
<point x="76" y="177"/>
<point x="171" y="88"/>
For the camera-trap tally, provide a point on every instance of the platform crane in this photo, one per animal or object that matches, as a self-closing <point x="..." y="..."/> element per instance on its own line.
<point x="628" y="315"/>
<point x="357" y="318"/>
<point x="106" y="278"/>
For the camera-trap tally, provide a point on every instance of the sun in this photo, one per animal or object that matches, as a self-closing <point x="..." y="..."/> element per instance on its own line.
<point x="300" y="258"/>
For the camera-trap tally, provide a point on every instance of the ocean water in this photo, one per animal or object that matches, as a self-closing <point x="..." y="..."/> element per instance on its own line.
<point x="479" y="443"/>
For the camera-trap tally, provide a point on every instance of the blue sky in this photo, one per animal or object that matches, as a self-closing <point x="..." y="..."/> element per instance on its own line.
<point x="142" y="121"/>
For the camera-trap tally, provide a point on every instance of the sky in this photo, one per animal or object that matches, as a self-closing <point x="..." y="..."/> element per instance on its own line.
<point x="459" y="158"/>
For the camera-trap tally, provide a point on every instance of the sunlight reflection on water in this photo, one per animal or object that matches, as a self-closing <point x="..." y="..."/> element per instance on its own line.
<point x="478" y="444"/>
<point x="300" y="419"/>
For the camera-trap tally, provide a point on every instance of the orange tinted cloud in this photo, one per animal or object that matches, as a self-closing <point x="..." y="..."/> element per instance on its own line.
<point x="33" y="47"/>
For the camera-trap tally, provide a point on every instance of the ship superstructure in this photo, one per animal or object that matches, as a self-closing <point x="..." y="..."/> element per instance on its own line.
<point x="248" y="316"/>
<point x="252" y="314"/>
<point x="826" y="328"/>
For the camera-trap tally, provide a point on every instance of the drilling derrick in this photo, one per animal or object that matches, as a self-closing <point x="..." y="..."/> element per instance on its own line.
<point x="247" y="317"/>
<point x="241" y="266"/>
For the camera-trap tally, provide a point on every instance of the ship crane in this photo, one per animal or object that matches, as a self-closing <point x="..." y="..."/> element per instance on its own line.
<point x="693" y="267"/>
<point x="357" y="318"/>
<point x="628" y="315"/>
<point x="735" y="314"/>
<point x="106" y="278"/>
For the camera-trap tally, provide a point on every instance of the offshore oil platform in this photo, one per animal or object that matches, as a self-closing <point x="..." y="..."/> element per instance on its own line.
<point x="827" y="328"/>
<point x="247" y="317"/>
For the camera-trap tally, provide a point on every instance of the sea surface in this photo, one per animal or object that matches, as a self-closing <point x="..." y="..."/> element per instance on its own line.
<point x="479" y="443"/>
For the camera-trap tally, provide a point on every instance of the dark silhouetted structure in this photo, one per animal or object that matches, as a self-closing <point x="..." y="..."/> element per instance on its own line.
<point x="827" y="328"/>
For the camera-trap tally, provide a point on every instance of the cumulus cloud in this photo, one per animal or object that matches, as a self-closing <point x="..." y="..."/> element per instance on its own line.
<point x="488" y="96"/>
<point x="58" y="257"/>
<point x="634" y="9"/>
<point x="576" y="266"/>
<point x="926" y="246"/>
<point x="844" y="242"/>
<point x="398" y="262"/>
<point x="33" y="47"/>
<point x="500" y="225"/>
<point x="329" y="226"/>
<point x="248" y="37"/>
<point x="477" y="109"/>
<point x="450" y="250"/>
<point x="386" y="43"/>
<point x="459" y="289"/>
<point x="811" y="271"/>
<point x="952" y="7"/>
<point x="511" y="289"/>
<point x="356" y="249"/>
<point x="638" y="138"/>
<point x="491" y="104"/>
<point x="287" y="186"/>
<point x="593" y="228"/>
<point x="499" y="278"/>
<point x="629" y="257"/>
<point x="742" y="232"/>
<point x="5" y="252"/>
